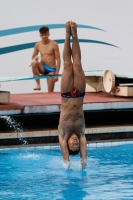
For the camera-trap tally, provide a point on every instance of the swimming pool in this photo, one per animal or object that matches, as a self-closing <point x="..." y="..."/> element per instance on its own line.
<point x="38" y="173"/>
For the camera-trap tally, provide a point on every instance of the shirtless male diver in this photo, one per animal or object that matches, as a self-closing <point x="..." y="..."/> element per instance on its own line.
<point x="50" y="59"/>
<point x="71" y="124"/>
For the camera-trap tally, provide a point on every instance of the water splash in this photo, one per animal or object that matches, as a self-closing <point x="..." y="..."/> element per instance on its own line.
<point x="16" y="127"/>
<point x="74" y="165"/>
<point x="13" y="124"/>
<point x="21" y="138"/>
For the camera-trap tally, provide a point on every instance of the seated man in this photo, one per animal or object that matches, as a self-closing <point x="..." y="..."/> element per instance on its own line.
<point x="72" y="125"/>
<point x="50" y="59"/>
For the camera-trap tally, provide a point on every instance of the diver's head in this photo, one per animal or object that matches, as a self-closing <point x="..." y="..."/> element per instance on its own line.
<point x="73" y="144"/>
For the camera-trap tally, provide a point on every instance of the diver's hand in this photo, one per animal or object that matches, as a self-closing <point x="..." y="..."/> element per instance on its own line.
<point x="67" y="165"/>
<point x="84" y="164"/>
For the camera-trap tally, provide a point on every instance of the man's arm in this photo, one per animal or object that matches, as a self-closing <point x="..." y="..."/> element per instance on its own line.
<point x="35" y="53"/>
<point x="83" y="151"/>
<point x="64" y="149"/>
<point x="35" y="56"/>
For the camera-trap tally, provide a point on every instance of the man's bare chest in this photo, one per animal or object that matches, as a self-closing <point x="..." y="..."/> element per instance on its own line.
<point x="46" y="50"/>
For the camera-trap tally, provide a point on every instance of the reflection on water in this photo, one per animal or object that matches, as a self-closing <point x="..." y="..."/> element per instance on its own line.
<point x="39" y="174"/>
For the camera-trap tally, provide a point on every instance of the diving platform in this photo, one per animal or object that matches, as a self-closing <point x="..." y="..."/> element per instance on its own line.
<point x="44" y="102"/>
<point x="114" y="83"/>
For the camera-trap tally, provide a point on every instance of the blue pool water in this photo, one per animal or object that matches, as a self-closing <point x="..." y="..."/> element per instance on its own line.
<point x="38" y="173"/>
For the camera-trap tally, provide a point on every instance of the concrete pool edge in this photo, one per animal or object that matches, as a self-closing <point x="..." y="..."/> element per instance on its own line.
<point x="48" y="133"/>
<point x="92" y="144"/>
<point x="45" y="137"/>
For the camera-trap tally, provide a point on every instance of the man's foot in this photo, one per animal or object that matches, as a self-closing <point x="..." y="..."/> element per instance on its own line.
<point x="73" y="29"/>
<point x="68" y="29"/>
<point x="37" y="88"/>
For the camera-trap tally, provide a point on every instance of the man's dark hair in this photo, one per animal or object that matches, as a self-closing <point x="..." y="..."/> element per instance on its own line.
<point x="73" y="153"/>
<point x="44" y="29"/>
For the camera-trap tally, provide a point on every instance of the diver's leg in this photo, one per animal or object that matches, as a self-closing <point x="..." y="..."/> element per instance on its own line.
<point x="79" y="77"/>
<point x="67" y="75"/>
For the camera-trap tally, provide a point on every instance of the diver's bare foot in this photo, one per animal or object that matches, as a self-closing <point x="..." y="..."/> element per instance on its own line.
<point x="73" y="29"/>
<point x="68" y="29"/>
<point x="37" y="88"/>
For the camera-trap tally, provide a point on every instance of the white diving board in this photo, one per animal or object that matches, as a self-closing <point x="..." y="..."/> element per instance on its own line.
<point x="96" y="81"/>
<point x="23" y="78"/>
<point x="97" y="73"/>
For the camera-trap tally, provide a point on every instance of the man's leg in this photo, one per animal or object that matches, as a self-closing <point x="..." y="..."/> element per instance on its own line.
<point x="67" y="75"/>
<point x="50" y="82"/>
<point x="37" y="69"/>
<point x="79" y="77"/>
